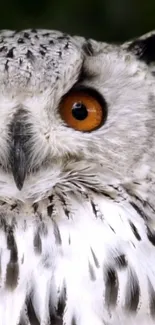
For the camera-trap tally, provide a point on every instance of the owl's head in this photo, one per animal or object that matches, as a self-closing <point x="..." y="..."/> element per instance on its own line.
<point x="73" y="108"/>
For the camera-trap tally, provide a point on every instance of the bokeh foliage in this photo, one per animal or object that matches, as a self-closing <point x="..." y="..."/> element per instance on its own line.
<point x="111" y="20"/>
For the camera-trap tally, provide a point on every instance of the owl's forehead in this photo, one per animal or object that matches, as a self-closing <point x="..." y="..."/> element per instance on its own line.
<point x="37" y="59"/>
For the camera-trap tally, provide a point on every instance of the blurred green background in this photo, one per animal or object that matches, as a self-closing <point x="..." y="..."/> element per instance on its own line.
<point x="110" y="20"/>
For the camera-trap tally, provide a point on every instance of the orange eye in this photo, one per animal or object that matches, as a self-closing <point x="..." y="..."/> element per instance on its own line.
<point x="83" y="109"/>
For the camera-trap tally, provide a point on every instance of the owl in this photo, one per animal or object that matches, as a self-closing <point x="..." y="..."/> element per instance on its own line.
<point x="77" y="180"/>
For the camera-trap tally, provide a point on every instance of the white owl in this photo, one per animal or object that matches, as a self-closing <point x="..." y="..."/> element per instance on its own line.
<point x="77" y="180"/>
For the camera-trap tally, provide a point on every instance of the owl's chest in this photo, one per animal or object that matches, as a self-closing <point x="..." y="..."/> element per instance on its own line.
<point x="76" y="259"/>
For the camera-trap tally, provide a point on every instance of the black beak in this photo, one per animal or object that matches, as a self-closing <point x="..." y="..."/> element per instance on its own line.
<point x="18" y="163"/>
<point x="19" y="148"/>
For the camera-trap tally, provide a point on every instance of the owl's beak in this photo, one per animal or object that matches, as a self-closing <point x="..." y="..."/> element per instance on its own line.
<point x="18" y="163"/>
<point x="19" y="151"/>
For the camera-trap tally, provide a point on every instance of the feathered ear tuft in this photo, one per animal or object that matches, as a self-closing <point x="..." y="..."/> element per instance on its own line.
<point x="144" y="48"/>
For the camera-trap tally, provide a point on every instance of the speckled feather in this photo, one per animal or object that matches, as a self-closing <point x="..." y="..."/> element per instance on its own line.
<point x="77" y="241"/>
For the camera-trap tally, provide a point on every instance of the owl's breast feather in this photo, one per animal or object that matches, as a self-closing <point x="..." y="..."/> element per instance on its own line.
<point x="83" y="258"/>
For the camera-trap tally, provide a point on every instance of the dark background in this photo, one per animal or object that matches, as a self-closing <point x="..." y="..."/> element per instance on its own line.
<point x="110" y="20"/>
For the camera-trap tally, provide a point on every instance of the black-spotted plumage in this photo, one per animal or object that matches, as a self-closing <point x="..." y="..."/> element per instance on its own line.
<point x="77" y="241"/>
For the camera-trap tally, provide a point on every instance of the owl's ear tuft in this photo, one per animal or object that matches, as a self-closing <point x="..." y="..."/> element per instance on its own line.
<point x="144" y="48"/>
<point x="87" y="48"/>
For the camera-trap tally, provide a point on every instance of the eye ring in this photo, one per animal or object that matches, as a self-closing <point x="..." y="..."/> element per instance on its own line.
<point x="83" y="109"/>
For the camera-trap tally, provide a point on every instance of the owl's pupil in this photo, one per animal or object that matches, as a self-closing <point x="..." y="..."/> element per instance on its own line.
<point x="79" y="111"/>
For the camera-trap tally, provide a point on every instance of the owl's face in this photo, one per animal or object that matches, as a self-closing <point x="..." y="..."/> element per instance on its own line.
<point x="71" y="106"/>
